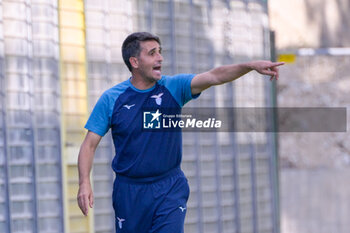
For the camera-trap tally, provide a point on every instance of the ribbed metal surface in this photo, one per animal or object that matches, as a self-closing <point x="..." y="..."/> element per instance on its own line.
<point x="4" y="195"/>
<point x="73" y="77"/>
<point x="30" y="129"/>
<point x="20" y="122"/>
<point x="46" y="109"/>
<point x="228" y="173"/>
<point x="232" y="176"/>
<point x="107" y="23"/>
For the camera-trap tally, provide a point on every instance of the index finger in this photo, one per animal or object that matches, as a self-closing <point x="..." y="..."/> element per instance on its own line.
<point x="274" y="64"/>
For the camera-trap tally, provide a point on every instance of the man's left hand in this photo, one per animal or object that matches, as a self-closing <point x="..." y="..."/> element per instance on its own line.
<point x="267" y="68"/>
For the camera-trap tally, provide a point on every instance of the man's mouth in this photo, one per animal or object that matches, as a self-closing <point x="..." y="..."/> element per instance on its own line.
<point x="157" y="69"/>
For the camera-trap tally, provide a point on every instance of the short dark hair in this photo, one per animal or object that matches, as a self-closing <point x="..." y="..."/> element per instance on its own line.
<point x="131" y="45"/>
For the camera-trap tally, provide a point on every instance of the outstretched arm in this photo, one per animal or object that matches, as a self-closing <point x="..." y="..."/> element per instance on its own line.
<point x="86" y="155"/>
<point x="228" y="73"/>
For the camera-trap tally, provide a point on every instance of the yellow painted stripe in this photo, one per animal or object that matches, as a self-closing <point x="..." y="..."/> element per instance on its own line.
<point x="288" y="58"/>
<point x="74" y="107"/>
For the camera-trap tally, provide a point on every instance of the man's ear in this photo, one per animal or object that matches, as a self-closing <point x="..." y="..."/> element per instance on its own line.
<point x="134" y="62"/>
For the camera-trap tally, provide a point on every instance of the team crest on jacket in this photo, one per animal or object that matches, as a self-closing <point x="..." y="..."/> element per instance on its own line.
<point x="158" y="98"/>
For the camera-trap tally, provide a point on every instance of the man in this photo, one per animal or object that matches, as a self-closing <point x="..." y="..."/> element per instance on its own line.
<point x="150" y="191"/>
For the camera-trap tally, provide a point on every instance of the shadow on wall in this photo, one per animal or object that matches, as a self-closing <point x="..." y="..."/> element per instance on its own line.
<point x="334" y="20"/>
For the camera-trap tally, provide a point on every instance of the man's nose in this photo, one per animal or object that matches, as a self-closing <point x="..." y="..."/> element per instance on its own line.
<point x="160" y="57"/>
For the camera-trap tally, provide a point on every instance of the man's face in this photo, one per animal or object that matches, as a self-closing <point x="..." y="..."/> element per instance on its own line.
<point x="150" y="60"/>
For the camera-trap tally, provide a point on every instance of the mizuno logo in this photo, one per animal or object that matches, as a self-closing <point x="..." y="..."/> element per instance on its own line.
<point x="182" y="208"/>
<point x="158" y="98"/>
<point x="129" y="106"/>
<point x="120" y="222"/>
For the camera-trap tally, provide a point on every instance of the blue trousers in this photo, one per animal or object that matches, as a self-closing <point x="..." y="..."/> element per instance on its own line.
<point x="151" y="205"/>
